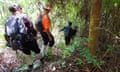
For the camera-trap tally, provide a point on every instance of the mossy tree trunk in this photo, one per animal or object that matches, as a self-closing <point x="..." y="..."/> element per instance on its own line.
<point x="94" y="22"/>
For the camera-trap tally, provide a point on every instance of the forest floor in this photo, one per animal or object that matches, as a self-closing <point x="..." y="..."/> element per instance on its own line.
<point x="9" y="61"/>
<point x="55" y="63"/>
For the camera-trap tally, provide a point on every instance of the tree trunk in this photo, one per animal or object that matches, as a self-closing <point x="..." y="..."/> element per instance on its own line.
<point x="94" y="22"/>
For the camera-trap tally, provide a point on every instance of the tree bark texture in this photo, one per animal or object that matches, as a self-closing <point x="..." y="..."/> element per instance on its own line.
<point x="94" y="22"/>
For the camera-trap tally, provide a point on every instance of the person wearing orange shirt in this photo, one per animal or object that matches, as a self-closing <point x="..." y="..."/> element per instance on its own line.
<point x="47" y="37"/>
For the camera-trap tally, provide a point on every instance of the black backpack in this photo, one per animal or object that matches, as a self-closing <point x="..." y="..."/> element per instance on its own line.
<point x="38" y="23"/>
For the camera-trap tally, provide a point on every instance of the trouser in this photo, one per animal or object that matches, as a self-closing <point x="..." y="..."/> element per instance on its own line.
<point x="46" y="39"/>
<point x="67" y="40"/>
<point x="26" y="46"/>
<point x="46" y="42"/>
<point x="30" y="46"/>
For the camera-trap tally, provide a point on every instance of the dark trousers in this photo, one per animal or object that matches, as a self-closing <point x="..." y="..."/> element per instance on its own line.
<point x="67" y="40"/>
<point x="46" y="39"/>
<point x="30" y="46"/>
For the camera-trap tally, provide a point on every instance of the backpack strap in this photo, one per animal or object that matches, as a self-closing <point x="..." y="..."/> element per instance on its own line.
<point x="38" y="23"/>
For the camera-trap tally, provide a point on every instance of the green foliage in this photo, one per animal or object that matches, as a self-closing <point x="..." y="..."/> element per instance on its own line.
<point x="109" y="48"/>
<point x="32" y="55"/>
<point x="79" y="61"/>
<point x="66" y="12"/>
<point x="107" y="4"/>
<point x="71" y="11"/>
<point x="83" y="51"/>
<point x="49" y="51"/>
<point x="63" y="64"/>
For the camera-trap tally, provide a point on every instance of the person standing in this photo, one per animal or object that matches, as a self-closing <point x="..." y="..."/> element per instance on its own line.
<point x="45" y="32"/>
<point x="67" y="33"/>
<point x="24" y="37"/>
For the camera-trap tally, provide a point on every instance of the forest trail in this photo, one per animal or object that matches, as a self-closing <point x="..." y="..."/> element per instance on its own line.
<point x="9" y="60"/>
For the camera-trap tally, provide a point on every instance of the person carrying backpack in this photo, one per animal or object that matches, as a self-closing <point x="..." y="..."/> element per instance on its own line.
<point x="74" y="32"/>
<point x="21" y="34"/>
<point x="43" y="26"/>
<point x="67" y="33"/>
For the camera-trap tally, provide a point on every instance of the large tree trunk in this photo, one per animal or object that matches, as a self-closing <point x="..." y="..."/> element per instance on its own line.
<point x="94" y="22"/>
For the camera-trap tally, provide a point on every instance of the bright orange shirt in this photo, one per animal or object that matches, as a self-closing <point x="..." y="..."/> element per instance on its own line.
<point x="45" y="23"/>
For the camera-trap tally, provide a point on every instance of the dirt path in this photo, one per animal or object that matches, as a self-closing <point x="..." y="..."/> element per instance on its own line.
<point x="9" y="61"/>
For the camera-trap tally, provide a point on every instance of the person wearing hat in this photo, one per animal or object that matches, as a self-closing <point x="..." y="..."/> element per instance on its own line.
<point x="26" y="30"/>
<point x="47" y="36"/>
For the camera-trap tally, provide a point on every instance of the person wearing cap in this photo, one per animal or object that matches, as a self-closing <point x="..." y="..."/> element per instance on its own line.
<point x="29" y="42"/>
<point x="47" y="36"/>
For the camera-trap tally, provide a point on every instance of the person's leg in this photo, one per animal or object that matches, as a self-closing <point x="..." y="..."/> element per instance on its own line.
<point x="46" y="50"/>
<point x="35" y="47"/>
<point x="45" y="40"/>
<point x="52" y="42"/>
<point x="67" y="40"/>
<point x="27" y="53"/>
<point x="28" y="59"/>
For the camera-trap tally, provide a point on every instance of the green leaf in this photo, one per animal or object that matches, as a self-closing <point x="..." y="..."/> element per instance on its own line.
<point x="79" y="61"/>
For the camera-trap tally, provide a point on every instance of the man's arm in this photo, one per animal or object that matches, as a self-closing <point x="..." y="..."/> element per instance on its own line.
<point x="29" y="25"/>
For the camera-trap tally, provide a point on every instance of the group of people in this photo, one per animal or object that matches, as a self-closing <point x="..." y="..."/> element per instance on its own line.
<point x="20" y="33"/>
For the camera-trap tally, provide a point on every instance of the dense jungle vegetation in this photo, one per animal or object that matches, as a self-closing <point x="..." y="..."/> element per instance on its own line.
<point x="96" y="46"/>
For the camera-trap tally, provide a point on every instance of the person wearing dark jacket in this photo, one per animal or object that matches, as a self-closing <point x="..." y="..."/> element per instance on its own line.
<point x="67" y="33"/>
